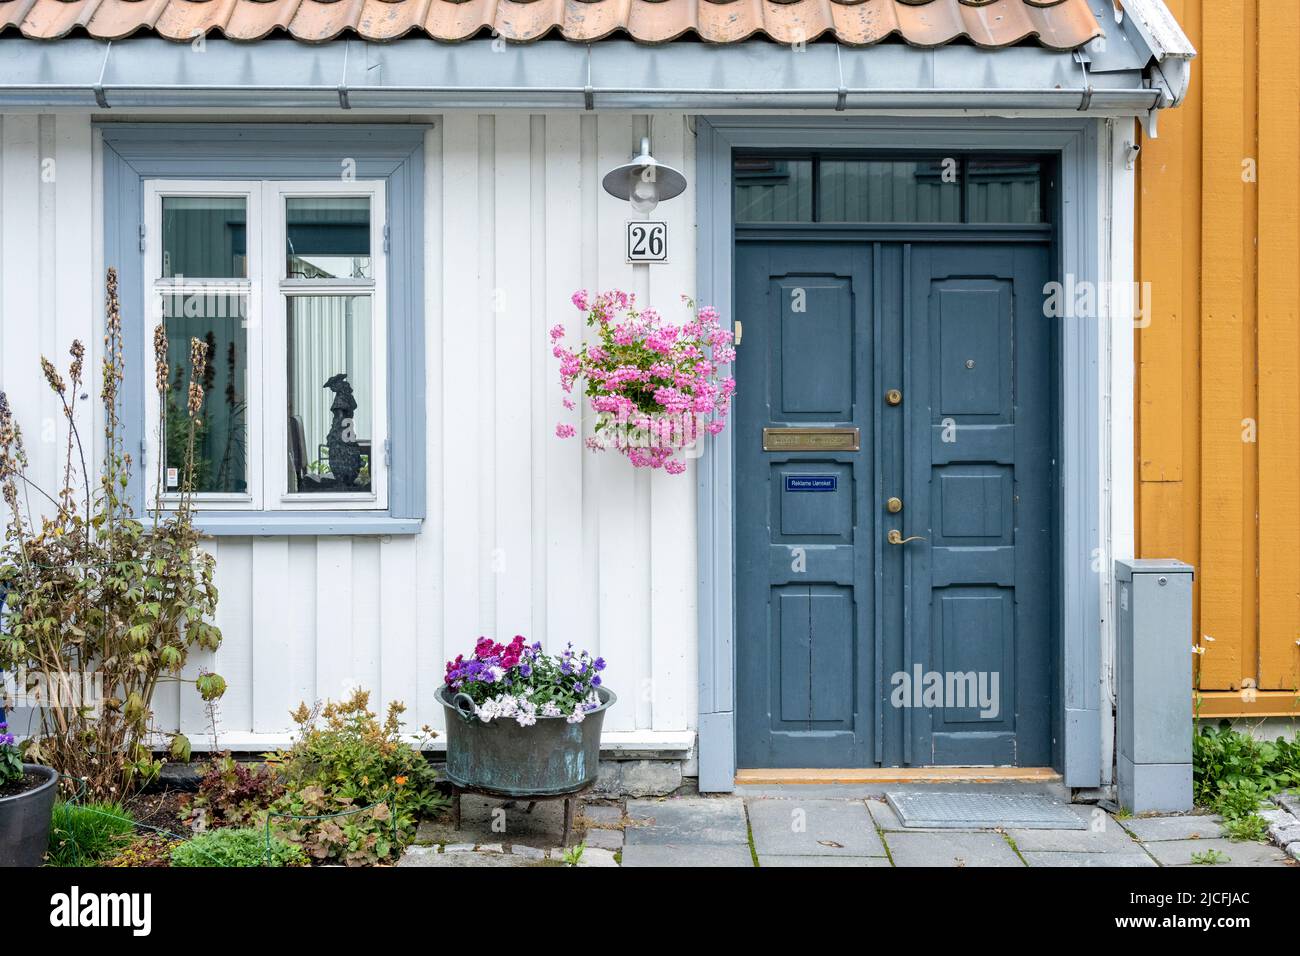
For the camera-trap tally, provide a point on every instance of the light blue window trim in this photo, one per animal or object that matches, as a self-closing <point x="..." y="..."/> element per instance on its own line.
<point x="134" y="152"/>
<point x="1076" y="721"/>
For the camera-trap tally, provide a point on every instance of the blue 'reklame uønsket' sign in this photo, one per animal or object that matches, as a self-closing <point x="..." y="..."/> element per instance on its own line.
<point x="811" y="482"/>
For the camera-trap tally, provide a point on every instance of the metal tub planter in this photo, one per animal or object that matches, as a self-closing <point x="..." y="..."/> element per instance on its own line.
<point x="551" y="758"/>
<point x="25" y="819"/>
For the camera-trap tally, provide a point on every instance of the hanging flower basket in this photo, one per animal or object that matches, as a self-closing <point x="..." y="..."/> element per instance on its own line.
<point x="524" y="723"/>
<point x="655" y="387"/>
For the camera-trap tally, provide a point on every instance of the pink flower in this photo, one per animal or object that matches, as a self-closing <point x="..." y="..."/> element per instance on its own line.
<point x="655" y="384"/>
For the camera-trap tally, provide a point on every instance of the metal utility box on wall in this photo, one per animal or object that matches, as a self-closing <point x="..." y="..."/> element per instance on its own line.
<point x="1154" y="705"/>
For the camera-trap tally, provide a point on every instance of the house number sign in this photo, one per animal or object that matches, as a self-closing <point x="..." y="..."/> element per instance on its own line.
<point x="647" y="241"/>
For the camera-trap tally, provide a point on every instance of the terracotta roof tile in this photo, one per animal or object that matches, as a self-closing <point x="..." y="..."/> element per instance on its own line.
<point x="1058" y="24"/>
<point x="255" y="19"/>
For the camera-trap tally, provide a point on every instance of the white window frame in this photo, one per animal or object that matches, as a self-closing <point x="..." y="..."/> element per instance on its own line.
<point x="267" y="288"/>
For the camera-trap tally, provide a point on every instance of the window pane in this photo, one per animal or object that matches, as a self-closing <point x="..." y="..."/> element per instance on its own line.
<point x="330" y="389"/>
<point x="203" y="237"/>
<point x="221" y="435"/>
<point x="1004" y="190"/>
<point x="889" y="191"/>
<point x="773" y="190"/>
<point x="328" y="237"/>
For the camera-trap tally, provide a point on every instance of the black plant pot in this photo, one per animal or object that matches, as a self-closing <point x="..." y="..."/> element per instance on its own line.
<point x="25" y="820"/>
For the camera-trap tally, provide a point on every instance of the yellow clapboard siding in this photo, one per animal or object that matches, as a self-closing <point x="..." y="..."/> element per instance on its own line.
<point x="1279" y="347"/>
<point x="1223" y="400"/>
<point x="1222" y="255"/>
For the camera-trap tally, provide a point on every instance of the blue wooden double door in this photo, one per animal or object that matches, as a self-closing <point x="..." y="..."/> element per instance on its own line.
<point x="895" y="483"/>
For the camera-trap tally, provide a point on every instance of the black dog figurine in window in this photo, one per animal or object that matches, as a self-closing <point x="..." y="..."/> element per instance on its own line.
<point x="344" y="449"/>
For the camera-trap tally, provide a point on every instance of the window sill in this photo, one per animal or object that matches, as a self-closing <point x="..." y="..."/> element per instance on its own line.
<point x="306" y="523"/>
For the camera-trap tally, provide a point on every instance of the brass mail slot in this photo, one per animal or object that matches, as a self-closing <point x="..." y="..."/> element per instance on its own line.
<point x="810" y="439"/>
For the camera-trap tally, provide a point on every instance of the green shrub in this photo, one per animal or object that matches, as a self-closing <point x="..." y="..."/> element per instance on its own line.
<point x="343" y="765"/>
<point x="85" y="834"/>
<point x="231" y="846"/>
<point x="232" y="794"/>
<point x="91" y="587"/>
<point x="1234" y="773"/>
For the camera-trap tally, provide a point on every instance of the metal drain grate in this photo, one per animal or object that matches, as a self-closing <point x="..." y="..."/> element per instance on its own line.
<point x="980" y="811"/>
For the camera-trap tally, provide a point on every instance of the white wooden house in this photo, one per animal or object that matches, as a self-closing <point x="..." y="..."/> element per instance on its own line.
<point x="352" y="192"/>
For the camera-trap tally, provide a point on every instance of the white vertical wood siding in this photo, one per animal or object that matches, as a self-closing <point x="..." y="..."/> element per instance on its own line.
<point x="525" y="534"/>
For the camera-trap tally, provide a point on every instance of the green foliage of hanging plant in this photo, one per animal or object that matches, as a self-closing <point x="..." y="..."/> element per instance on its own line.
<point x="102" y="607"/>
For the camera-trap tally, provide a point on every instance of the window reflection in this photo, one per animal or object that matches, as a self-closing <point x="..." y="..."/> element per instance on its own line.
<point x="221" y="433"/>
<point x="328" y="237"/>
<point x="330" y="368"/>
<point x="204" y="237"/>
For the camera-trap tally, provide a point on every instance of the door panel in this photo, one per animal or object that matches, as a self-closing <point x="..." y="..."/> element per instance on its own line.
<point x="830" y="616"/>
<point x="805" y="619"/>
<point x="979" y="470"/>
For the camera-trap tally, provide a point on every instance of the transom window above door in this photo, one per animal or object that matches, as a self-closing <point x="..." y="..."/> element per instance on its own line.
<point x="283" y="282"/>
<point x="933" y="189"/>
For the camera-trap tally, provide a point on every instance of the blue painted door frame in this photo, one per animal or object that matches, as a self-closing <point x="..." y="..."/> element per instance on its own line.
<point x="1075" y="717"/>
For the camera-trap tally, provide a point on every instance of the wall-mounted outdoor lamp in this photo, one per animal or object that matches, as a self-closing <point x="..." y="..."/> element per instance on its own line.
<point x="644" y="182"/>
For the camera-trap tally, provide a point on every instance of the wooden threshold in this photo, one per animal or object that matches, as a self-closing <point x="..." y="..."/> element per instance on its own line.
<point x="782" y="777"/>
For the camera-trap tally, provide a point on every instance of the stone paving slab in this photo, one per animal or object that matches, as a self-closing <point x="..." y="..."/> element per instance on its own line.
<point x="1272" y="815"/>
<point x="603" y="814"/>
<point x="813" y="828"/>
<point x="1289" y="801"/>
<point x="1186" y="827"/>
<point x="951" y="848"/>
<point x="788" y="861"/>
<point x="687" y="820"/>
<point x="1179" y="852"/>
<point x="1103" y="835"/>
<point x="595" y="856"/>
<point x="604" y="839"/>
<point x="1285" y="832"/>
<point x="484" y="820"/>
<point x="428" y="856"/>
<point x="687" y="854"/>
<point x="1128" y="858"/>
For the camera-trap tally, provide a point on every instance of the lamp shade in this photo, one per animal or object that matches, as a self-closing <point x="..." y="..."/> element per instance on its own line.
<point x="622" y="180"/>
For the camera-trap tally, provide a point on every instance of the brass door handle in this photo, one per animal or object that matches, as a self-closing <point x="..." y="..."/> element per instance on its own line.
<point x="896" y="537"/>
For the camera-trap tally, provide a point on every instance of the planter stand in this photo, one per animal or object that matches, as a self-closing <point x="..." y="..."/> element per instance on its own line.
<point x="570" y="804"/>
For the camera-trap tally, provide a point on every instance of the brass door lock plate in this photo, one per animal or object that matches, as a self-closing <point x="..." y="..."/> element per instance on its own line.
<point x="894" y="505"/>
<point x="894" y="397"/>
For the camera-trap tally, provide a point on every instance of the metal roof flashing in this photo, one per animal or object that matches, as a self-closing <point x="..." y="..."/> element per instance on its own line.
<point x="147" y="73"/>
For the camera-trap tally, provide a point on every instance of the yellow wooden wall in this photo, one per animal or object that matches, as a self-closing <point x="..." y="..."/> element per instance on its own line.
<point x="1218" y="392"/>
